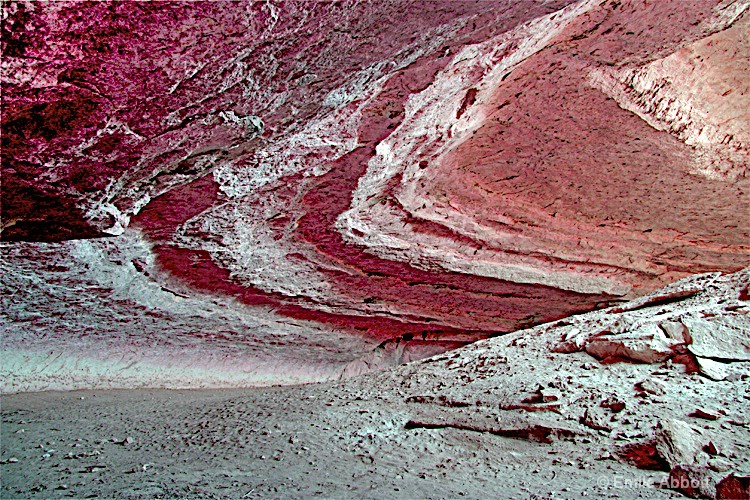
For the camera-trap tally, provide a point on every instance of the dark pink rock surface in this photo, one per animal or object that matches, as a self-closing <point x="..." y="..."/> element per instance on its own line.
<point x="443" y="170"/>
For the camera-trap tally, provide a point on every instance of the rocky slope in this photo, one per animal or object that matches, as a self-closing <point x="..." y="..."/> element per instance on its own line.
<point x="649" y="399"/>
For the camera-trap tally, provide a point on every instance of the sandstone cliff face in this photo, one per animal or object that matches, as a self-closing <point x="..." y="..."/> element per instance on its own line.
<point x="364" y="172"/>
<point x="700" y="94"/>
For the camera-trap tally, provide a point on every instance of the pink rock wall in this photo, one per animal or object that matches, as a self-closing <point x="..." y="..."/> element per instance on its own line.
<point x="437" y="170"/>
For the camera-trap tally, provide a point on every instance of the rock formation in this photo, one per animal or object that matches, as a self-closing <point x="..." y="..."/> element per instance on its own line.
<point x="292" y="184"/>
<point x="534" y="213"/>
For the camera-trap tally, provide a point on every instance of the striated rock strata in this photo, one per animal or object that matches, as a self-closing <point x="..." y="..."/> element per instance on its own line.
<point x="298" y="183"/>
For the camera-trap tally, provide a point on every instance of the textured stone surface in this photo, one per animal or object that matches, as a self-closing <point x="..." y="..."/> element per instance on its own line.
<point x="369" y="182"/>
<point x="733" y="487"/>
<point x="678" y="443"/>
<point x="718" y="337"/>
<point x="694" y="482"/>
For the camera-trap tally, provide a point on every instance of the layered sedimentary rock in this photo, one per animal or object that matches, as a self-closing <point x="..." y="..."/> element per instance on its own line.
<point x="368" y="173"/>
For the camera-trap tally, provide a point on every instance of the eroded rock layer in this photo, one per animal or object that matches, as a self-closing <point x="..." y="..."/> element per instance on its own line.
<point x="391" y="171"/>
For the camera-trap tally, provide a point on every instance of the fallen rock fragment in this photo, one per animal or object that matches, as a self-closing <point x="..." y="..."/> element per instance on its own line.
<point x="535" y="397"/>
<point x="532" y="408"/>
<point x="572" y="341"/>
<point x="613" y="403"/>
<point x="720" y="337"/>
<point x="739" y="421"/>
<point x="653" y="387"/>
<point x="711" y="369"/>
<point x="676" y="331"/>
<point x="533" y="432"/>
<point x="734" y="487"/>
<point x="125" y="442"/>
<point x="595" y="419"/>
<point x="647" y="344"/>
<point x="693" y="481"/>
<point x="93" y="468"/>
<point x="540" y="395"/>
<point x="642" y="455"/>
<point x="550" y="395"/>
<point x="710" y="448"/>
<point x="678" y="443"/>
<point x="564" y="347"/>
<point x="699" y="413"/>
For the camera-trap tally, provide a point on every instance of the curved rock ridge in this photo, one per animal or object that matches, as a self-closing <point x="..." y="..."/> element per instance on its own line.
<point x="102" y="314"/>
<point x="547" y="209"/>
<point x="370" y="172"/>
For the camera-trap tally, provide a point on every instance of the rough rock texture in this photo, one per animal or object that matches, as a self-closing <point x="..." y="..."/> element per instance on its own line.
<point x="677" y="443"/>
<point x="504" y="418"/>
<point x="694" y="482"/>
<point x="433" y="171"/>
<point x="733" y="487"/>
<point x="254" y="193"/>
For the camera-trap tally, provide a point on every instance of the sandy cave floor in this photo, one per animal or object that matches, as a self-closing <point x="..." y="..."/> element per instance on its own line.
<point x="287" y="442"/>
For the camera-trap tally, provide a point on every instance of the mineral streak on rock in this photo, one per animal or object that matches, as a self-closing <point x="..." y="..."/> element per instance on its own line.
<point x="438" y="171"/>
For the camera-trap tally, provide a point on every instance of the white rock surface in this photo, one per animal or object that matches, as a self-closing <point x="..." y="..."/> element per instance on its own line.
<point x="720" y="337"/>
